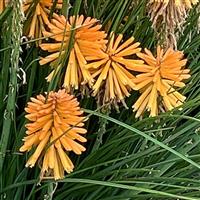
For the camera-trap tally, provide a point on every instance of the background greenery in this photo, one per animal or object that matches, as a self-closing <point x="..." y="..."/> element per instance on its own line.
<point x="126" y="158"/>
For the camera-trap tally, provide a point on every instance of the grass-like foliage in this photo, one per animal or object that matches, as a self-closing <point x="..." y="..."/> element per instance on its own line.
<point x="126" y="157"/>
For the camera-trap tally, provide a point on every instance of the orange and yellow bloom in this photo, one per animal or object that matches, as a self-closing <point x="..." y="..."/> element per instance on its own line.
<point x="112" y="72"/>
<point x="37" y="14"/>
<point x="3" y="4"/>
<point x="88" y="43"/>
<point x="158" y="79"/>
<point x="55" y="128"/>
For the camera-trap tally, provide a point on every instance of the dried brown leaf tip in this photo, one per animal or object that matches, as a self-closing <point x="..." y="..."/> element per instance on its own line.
<point x="158" y="79"/>
<point x="112" y="72"/>
<point x="167" y="16"/>
<point x="89" y="41"/>
<point x="37" y="14"/>
<point x="178" y="3"/>
<point x="54" y="129"/>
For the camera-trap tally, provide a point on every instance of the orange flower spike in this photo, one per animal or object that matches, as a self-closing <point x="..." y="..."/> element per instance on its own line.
<point x="89" y="42"/>
<point x="113" y="71"/>
<point x="51" y="116"/>
<point x="39" y="17"/>
<point x="158" y="79"/>
<point x="3" y="5"/>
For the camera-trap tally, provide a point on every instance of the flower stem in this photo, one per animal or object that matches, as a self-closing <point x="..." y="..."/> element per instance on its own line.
<point x="9" y="112"/>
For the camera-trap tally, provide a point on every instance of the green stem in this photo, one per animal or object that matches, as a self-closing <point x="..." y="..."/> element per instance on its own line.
<point x="9" y="112"/>
<point x="32" y="76"/>
<point x="100" y="133"/>
<point x="65" y="8"/>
